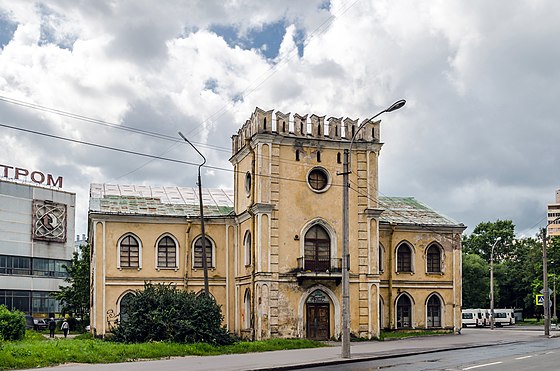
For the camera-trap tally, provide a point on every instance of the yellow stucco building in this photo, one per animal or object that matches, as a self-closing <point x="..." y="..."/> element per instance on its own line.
<point x="274" y="242"/>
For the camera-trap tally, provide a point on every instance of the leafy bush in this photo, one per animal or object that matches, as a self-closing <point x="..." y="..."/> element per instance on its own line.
<point x="161" y="312"/>
<point x="12" y="324"/>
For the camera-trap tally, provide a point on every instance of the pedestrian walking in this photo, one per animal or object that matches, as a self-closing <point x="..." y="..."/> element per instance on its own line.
<point x="65" y="327"/>
<point x="52" y="326"/>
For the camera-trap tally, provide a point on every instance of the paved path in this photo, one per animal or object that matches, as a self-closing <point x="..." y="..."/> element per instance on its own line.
<point x="291" y="359"/>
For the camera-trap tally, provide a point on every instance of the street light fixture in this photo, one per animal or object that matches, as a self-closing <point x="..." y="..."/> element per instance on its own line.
<point x="492" y="283"/>
<point x="345" y="239"/>
<point x="546" y="308"/>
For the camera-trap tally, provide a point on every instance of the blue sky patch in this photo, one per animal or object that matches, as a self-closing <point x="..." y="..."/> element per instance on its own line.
<point x="7" y="29"/>
<point x="266" y="39"/>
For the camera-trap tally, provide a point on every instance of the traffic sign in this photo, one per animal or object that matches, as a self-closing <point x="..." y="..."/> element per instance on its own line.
<point x="539" y="300"/>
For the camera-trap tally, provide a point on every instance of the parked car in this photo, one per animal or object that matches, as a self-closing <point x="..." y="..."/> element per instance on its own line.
<point x="39" y="324"/>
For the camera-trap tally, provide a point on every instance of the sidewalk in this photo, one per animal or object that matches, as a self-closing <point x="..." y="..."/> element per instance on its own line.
<point x="294" y="359"/>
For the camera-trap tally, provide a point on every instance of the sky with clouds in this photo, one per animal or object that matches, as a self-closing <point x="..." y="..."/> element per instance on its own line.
<point x="478" y="139"/>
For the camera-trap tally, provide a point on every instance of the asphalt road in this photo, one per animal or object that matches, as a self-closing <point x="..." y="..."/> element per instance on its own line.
<point x="537" y="355"/>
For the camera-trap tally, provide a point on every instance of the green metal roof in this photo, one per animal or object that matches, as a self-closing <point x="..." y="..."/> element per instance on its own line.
<point x="158" y="201"/>
<point x="183" y="201"/>
<point x="408" y="210"/>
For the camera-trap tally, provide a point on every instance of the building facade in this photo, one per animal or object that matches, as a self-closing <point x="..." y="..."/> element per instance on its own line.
<point x="274" y="242"/>
<point x="553" y="213"/>
<point x="36" y="242"/>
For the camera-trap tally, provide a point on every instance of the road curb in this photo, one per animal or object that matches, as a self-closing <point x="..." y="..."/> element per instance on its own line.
<point x="381" y="356"/>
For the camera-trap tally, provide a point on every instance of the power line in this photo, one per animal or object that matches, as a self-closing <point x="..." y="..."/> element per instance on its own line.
<point x="148" y="155"/>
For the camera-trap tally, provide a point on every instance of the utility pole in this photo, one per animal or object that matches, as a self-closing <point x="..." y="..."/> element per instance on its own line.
<point x="345" y="233"/>
<point x="201" y="205"/>
<point x="345" y="260"/>
<point x="492" y="283"/>
<point x="546" y="303"/>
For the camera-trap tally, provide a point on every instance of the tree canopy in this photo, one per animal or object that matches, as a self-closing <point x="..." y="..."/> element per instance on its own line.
<point x="74" y="297"/>
<point x="517" y="267"/>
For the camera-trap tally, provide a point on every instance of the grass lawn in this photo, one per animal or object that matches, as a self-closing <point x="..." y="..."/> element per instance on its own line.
<point x="387" y="335"/>
<point x="38" y="351"/>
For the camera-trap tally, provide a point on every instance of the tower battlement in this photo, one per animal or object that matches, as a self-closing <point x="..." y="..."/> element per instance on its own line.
<point x="306" y="126"/>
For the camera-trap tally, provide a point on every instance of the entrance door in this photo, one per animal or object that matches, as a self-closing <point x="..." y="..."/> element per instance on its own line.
<point x="404" y="309"/>
<point x="318" y="324"/>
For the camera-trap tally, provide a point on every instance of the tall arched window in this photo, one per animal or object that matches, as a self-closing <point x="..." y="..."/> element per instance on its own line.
<point x="381" y="263"/>
<point x="124" y="307"/>
<point x="404" y="312"/>
<point x="433" y="259"/>
<point x="247" y="309"/>
<point x="433" y="310"/>
<point x="166" y="253"/>
<point x="247" y="248"/>
<point x="197" y="253"/>
<point x="129" y="252"/>
<point x="404" y="258"/>
<point x="317" y="249"/>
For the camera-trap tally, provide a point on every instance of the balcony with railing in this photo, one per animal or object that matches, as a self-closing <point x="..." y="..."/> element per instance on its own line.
<point x="319" y="269"/>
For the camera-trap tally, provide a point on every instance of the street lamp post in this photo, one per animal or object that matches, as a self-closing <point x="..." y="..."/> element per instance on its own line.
<point x="546" y="308"/>
<point x="492" y="283"/>
<point x="201" y="205"/>
<point x="345" y="233"/>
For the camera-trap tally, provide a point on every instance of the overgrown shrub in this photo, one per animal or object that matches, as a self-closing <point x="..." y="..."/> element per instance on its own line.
<point x="12" y="324"/>
<point x="161" y="312"/>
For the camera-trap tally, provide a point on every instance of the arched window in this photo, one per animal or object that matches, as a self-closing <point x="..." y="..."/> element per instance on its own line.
<point x="319" y="129"/>
<point x="433" y="259"/>
<point x="247" y="309"/>
<point x="433" y="309"/>
<point x="404" y="258"/>
<point x="129" y="252"/>
<point x="318" y="156"/>
<point x="317" y="249"/>
<point x="338" y="160"/>
<point x="264" y="123"/>
<point x="124" y="307"/>
<point x="247" y="247"/>
<point x="166" y="253"/>
<point x="283" y="126"/>
<point x="404" y="312"/>
<point x="381" y="313"/>
<point x="197" y="253"/>
<point x="381" y="257"/>
<point x="297" y="154"/>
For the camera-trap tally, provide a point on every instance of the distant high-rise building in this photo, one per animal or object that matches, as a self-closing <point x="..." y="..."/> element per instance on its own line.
<point x="554" y="213"/>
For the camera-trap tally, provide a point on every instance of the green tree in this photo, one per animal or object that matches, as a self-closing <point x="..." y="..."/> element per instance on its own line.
<point x="161" y="312"/>
<point x="74" y="298"/>
<point x="12" y="324"/>
<point x="475" y="281"/>
<point x="484" y="235"/>
<point x="516" y="275"/>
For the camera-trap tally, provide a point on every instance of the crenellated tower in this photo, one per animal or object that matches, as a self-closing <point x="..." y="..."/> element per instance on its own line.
<point x="288" y="202"/>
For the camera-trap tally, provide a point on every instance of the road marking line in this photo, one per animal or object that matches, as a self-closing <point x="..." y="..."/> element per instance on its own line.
<point x="484" y="365"/>
<point x="523" y="357"/>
